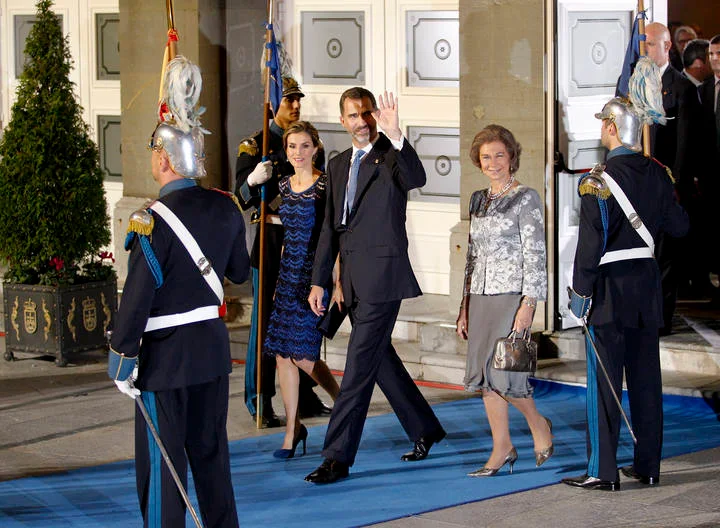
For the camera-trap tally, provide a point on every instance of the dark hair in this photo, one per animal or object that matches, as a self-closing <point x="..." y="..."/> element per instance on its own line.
<point x="302" y="126"/>
<point x="496" y="133"/>
<point x="695" y="49"/>
<point x="356" y="92"/>
<point x="715" y="40"/>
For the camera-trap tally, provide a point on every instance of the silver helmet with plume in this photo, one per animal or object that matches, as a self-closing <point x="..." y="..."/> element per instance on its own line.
<point x="644" y="105"/>
<point x="179" y="131"/>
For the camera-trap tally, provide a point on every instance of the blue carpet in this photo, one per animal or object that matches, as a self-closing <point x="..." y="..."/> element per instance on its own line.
<point x="272" y="492"/>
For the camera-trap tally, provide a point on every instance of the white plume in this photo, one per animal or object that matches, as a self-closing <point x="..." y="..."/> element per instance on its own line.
<point x="646" y="92"/>
<point x="181" y="92"/>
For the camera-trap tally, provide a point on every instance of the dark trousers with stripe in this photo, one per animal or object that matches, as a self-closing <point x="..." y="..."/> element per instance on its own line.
<point x="636" y="351"/>
<point x="371" y="358"/>
<point x="191" y="421"/>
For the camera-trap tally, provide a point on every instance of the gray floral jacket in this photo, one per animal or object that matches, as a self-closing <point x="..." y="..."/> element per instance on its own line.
<point x="506" y="247"/>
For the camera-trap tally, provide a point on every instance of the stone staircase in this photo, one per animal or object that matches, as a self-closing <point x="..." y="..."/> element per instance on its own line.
<point x="425" y="339"/>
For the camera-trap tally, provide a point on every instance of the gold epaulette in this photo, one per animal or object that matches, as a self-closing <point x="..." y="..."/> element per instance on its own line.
<point x="248" y="146"/>
<point x="593" y="183"/>
<point x="141" y="222"/>
<point x="231" y="196"/>
<point x="667" y="169"/>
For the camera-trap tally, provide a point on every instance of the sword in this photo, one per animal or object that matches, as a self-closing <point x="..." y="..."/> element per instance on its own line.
<point x="169" y="463"/>
<point x="607" y="378"/>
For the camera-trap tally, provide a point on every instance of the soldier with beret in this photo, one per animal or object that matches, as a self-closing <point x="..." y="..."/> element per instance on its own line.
<point x="250" y="174"/>
<point x="169" y="327"/>
<point x="626" y="204"/>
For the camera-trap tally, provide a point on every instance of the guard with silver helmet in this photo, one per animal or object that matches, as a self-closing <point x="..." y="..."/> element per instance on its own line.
<point x="625" y="205"/>
<point x="169" y="327"/>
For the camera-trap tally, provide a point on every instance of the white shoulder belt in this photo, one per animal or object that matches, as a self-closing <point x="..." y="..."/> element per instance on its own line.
<point x="205" y="268"/>
<point x="635" y="221"/>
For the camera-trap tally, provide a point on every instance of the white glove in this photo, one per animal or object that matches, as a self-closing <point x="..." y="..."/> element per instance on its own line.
<point x="128" y="386"/>
<point x="261" y="174"/>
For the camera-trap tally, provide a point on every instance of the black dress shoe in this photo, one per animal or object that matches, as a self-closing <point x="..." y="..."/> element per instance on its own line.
<point x="328" y="472"/>
<point x="422" y="447"/>
<point x="270" y="421"/>
<point x="587" y="482"/>
<point x="629" y="471"/>
<point x="314" y="410"/>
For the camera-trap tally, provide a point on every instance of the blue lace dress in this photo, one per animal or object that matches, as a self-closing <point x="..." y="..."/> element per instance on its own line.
<point x="292" y="331"/>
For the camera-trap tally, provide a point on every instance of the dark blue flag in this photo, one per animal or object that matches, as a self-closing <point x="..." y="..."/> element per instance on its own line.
<point x="273" y="65"/>
<point x="631" y="57"/>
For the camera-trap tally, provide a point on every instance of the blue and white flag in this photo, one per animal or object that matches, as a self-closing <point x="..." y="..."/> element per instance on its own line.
<point x="632" y="54"/>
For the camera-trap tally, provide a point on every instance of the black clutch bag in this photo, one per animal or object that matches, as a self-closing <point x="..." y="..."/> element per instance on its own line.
<point x="331" y="321"/>
<point x="515" y="353"/>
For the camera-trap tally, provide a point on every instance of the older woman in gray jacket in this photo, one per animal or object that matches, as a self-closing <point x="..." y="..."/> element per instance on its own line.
<point x="505" y="276"/>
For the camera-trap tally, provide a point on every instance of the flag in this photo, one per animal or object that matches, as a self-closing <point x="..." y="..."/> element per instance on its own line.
<point x="632" y="54"/>
<point x="169" y="52"/>
<point x="273" y="67"/>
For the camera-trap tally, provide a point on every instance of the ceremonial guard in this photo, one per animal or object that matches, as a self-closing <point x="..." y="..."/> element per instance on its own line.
<point x="250" y="174"/>
<point x="168" y="328"/>
<point x="625" y="205"/>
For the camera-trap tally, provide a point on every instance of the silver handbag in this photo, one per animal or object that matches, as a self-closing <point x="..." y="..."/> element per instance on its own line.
<point x="515" y="353"/>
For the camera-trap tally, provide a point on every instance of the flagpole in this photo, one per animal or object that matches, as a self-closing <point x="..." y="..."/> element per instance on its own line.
<point x="263" y="213"/>
<point x="643" y="53"/>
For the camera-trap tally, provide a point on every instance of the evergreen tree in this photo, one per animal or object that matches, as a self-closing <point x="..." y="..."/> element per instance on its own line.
<point x="53" y="217"/>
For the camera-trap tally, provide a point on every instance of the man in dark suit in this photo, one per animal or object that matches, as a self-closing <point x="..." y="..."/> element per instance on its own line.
<point x="250" y="175"/>
<point x="615" y="269"/>
<point x="710" y="176"/>
<point x="671" y="145"/>
<point x="365" y="223"/>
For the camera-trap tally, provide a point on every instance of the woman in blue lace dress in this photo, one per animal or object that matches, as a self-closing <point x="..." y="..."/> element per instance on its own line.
<point x="292" y="335"/>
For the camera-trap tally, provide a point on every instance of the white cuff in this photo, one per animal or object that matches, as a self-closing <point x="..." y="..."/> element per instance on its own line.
<point x="399" y="143"/>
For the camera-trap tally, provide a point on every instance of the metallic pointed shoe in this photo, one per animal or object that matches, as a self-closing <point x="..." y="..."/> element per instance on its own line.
<point x="629" y="471"/>
<point x="542" y="456"/>
<point x="586" y="482"/>
<point x="510" y="459"/>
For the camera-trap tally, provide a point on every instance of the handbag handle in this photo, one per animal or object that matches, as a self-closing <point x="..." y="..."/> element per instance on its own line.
<point x="525" y="336"/>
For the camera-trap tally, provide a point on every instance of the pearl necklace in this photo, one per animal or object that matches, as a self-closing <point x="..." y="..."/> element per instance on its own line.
<point x="506" y="187"/>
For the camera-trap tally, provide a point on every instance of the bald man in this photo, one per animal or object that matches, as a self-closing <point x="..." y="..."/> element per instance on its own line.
<point x="671" y="144"/>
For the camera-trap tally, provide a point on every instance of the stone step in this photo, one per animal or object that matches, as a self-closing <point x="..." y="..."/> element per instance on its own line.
<point x="425" y="339"/>
<point x="683" y="351"/>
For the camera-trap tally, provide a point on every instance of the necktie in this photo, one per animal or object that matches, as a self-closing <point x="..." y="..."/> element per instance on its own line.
<point x="352" y="182"/>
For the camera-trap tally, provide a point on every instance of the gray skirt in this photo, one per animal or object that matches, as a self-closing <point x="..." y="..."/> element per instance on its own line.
<point x="491" y="317"/>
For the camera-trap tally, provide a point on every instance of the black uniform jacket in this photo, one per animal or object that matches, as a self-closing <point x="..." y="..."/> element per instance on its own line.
<point x="626" y="292"/>
<point x="198" y="352"/>
<point x="373" y="246"/>
<point x="249" y="155"/>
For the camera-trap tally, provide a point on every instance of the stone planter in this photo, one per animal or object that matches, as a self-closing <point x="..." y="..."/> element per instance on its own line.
<point x="58" y="320"/>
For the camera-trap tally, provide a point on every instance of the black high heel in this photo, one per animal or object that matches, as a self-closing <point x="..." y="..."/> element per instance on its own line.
<point x="542" y="456"/>
<point x="510" y="459"/>
<point x="290" y="453"/>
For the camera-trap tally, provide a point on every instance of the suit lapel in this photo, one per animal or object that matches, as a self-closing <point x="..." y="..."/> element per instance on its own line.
<point x="340" y="178"/>
<point x="369" y="166"/>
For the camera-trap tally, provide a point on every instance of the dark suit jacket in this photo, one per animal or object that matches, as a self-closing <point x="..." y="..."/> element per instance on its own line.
<point x="373" y="247"/>
<point x="670" y="143"/>
<point x="628" y="292"/>
<point x="710" y="175"/>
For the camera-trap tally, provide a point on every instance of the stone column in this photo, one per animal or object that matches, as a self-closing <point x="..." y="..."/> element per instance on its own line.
<point x="502" y="80"/>
<point x="207" y="30"/>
